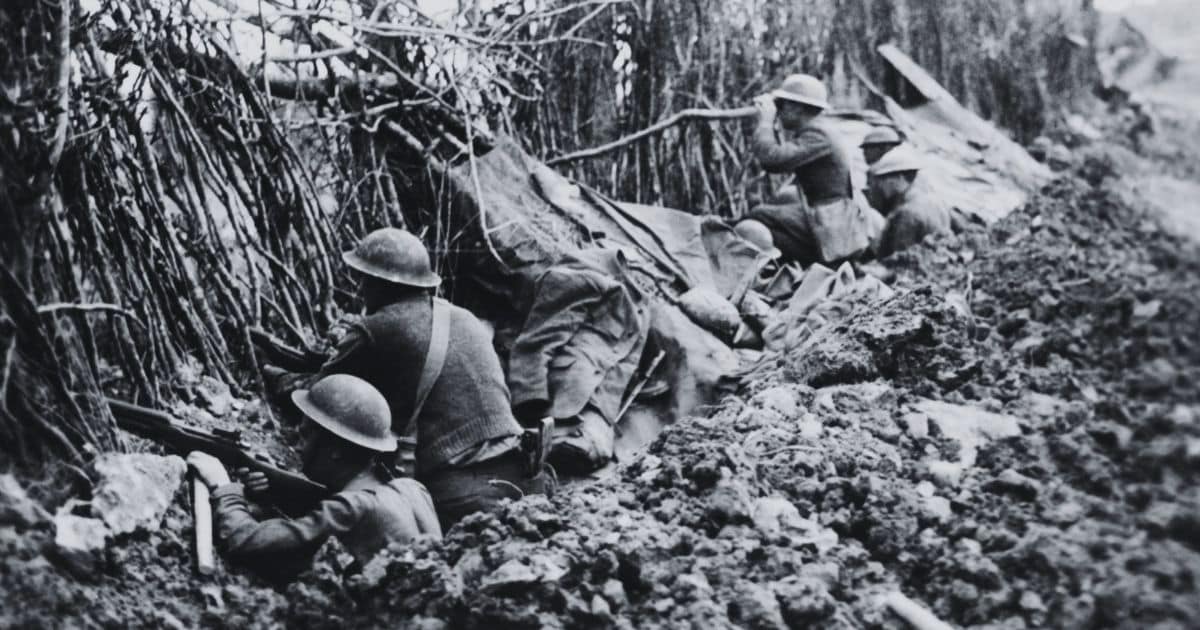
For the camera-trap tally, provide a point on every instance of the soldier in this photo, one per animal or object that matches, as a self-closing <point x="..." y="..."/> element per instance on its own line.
<point x="825" y="225"/>
<point x="879" y="141"/>
<point x="435" y="364"/>
<point x="347" y="430"/>
<point x="912" y="212"/>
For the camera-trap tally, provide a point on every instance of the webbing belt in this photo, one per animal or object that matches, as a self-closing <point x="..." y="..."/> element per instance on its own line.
<point x="435" y="359"/>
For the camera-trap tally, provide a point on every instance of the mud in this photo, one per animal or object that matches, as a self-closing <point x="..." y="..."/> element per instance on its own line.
<point x="799" y="501"/>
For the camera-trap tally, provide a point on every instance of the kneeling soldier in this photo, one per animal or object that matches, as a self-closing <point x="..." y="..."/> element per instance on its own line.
<point x="347" y="432"/>
<point x="912" y="212"/>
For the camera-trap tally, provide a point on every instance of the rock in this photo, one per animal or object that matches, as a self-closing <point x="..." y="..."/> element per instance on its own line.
<point x="1147" y="310"/>
<point x="945" y="474"/>
<point x="1156" y="377"/>
<point x="925" y="489"/>
<point x="970" y="426"/>
<point x="804" y="602"/>
<point x="135" y="489"/>
<point x="16" y="508"/>
<point x="1028" y="345"/>
<point x="517" y="575"/>
<point x="1111" y="435"/>
<point x="729" y="501"/>
<point x="779" y="399"/>
<point x="1032" y="602"/>
<point x="755" y="607"/>
<point x="778" y="516"/>
<point x="1157" y="518"/>
<point x="772" y="514"/>
<point x="214" y="601"/>
<point x="809" y="427"/>
<point x="79" y="541"/>
<point x="692" y="587"/>
<point x="614" y="591"/>
<point x="1064" y="513"/>
<point x="600" y="607"/>
<point x="1012" y="324"/>
<point x="828" y="573"/>
<point x="1045" y="406"/>
<point x="215" y="396"/>
<point x="1013" y="482"/>
<point x="916" y="424"/>
<point x="937" y="508"/>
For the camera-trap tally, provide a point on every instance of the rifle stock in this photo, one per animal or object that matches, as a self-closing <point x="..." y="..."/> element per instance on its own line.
<point x="291" y="492"/>
<point x="285" y="356"/>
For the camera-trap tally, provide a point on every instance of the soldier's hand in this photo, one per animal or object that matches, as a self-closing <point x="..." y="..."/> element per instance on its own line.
<point x="209" y="469"/>
<point x="255" y="482"/>
<point x="766" y="106"/>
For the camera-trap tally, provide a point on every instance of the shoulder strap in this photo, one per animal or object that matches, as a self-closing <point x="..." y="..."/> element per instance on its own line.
<point x="435" y="358"/>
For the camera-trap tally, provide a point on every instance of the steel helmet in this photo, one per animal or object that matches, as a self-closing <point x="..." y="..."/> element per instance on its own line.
<point x="803" y="88"/>
<point x="351" y="409"/>
<point x="881" y="135"/>
<point x="394" y="255"/>
<point x="898" y="160"/>
<point x="758" y="235"/>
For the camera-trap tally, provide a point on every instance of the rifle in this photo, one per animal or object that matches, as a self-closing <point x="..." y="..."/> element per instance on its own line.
<point x="285" y="356"/>
<point x="293" y="493"/>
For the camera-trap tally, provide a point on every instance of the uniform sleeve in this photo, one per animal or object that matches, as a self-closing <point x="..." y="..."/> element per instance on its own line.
<point x="348" y="356"/>
<point x="785" y="156"/>
<point x="245" y="538"/>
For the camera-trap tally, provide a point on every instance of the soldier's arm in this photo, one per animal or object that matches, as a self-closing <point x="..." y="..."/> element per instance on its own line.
<point x="784" y="156"/>
<point x="244" y="537"/>
<point x="349" y="355"/>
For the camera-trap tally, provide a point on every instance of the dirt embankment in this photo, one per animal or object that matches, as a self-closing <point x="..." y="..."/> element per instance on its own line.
<point x="1061" y="494"/>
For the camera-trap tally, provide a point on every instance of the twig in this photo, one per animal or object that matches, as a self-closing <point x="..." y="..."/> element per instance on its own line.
<point x="55" y="307"/>
<point x="675" y="119"/>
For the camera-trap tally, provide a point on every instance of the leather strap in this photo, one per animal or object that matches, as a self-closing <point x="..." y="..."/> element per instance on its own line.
<point x="435" y="359"/>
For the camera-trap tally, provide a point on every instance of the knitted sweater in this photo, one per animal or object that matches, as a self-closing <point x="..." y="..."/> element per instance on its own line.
<point x="468" y="405"/>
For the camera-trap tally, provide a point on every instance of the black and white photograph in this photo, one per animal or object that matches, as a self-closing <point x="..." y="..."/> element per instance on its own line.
<point x="589" y="314"/>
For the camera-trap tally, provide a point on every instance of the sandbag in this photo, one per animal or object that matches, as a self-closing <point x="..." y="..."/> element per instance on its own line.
<point x="840" y="229"/>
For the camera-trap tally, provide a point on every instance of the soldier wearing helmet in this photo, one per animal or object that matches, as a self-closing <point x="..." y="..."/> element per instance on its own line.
<point x="804" y="146"/>
<point x="879" y="141"/>
<point x="347" y="429"/>
<point x="456" y="418"/>
<point x="912" y="213"/>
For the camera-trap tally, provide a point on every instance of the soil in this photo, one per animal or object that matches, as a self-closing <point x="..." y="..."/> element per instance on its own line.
<point x="802" y="499"/>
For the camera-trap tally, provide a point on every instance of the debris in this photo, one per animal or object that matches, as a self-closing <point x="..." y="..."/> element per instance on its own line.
<point x="946" y="474"/>
<point x="516" y="574"/>
<point x="756" y="607"/>
<point x="916" y="424"/>
<point x="804" y="601"/>
<point x="780" y="399"/>
<point x="938" y="508"/>
<point x="16" y="508"/>
<point x="79" y="541"/>
<point x="215" y="396"/>
<point x="729" y="501"/>
<point x="1015" y="483"/>
<point x="971" y="426"/>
